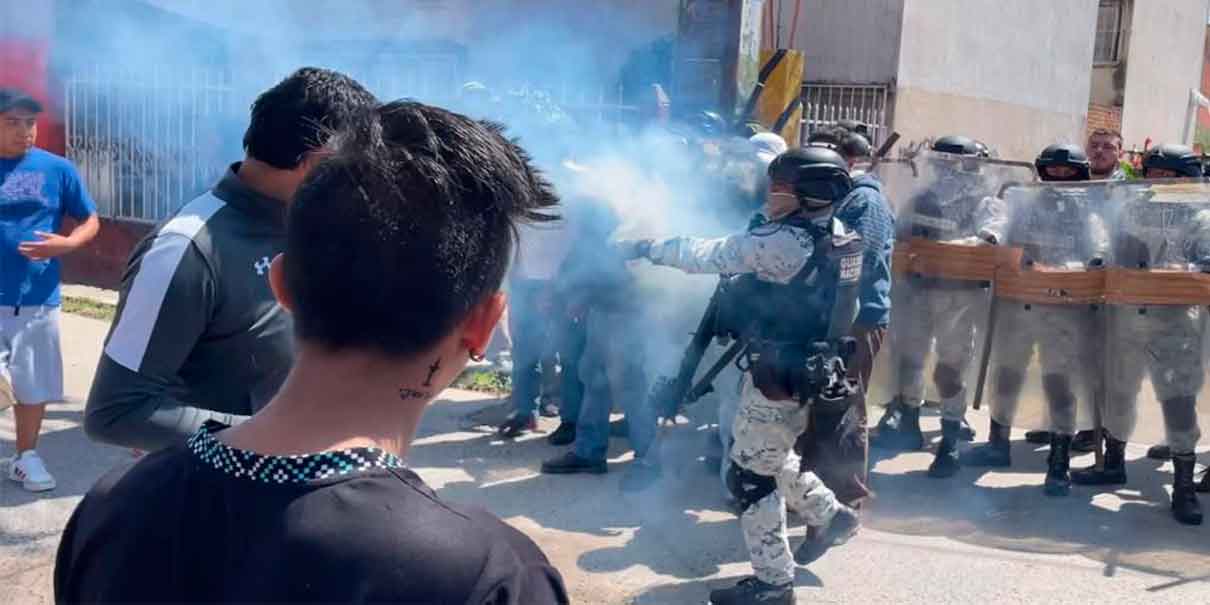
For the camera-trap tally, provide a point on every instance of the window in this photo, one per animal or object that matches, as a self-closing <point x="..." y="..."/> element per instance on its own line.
<point x="1109" y="32"/>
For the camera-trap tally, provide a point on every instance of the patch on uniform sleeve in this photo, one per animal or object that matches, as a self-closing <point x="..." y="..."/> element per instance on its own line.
<point x="850" y="268"/>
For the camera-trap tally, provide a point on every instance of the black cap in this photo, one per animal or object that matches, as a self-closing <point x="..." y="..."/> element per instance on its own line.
<point x="11" y="98"/>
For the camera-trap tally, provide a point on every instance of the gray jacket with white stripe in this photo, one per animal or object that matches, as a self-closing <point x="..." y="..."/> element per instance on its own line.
<point x="198" y="334"/>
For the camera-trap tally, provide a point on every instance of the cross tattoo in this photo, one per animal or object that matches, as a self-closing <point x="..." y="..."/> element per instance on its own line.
<point x="428" y="382"/>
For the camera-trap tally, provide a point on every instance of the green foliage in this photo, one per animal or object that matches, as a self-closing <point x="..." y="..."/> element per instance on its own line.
<point x="89" y="308"/>
<point x="484" y="381"/>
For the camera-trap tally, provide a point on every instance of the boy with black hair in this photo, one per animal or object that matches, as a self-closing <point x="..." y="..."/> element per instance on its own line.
<point x="37" y="190"/>
<point x="309" y="500"/>
<point x="198" y="335"/>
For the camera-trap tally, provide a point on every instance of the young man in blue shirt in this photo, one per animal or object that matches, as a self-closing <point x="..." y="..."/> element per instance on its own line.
<point x="37" y="189"/>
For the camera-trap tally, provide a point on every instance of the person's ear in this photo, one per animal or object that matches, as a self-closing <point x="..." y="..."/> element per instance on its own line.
<point x="481" y="323"/>
<point x="277" y="282"/>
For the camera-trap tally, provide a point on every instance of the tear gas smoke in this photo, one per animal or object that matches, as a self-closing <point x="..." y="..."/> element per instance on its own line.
<point x="157" y="91"/>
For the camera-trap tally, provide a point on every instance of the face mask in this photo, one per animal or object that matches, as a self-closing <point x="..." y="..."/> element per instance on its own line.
<point x="780" y="205"/>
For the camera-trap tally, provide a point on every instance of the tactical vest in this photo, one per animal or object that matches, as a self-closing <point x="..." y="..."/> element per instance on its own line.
<point x="820" y="303"/>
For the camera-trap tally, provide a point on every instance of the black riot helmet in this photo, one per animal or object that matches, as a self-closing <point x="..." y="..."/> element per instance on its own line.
<point x="1063" y="154"/>
<point x="960" y="145"/>
<point x="819" y="175"/>
<point x="855" y="126"/>
<point x="1177" y="158"/>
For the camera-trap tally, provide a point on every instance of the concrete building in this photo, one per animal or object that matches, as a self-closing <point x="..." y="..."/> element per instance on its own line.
<point x="1018" y="75"/>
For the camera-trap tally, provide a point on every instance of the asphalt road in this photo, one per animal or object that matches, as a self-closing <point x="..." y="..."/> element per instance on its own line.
<point x="981" y="537"/>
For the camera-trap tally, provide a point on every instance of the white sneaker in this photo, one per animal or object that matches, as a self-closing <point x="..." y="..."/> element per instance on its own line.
<point x="28" y="470"/>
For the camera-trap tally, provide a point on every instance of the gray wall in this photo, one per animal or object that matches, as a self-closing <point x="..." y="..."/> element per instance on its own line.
<point x="1013" y="74"/>
<point x="849" y="41"/>
<point x="1165" y="61"/>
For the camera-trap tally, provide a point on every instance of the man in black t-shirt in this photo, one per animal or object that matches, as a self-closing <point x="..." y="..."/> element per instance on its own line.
<point x="395" y="251"/>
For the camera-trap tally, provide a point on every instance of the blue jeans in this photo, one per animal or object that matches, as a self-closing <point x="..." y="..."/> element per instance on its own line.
<point x="528" y="329"/>
<point x="570" y="344"/>
<point x="612" y="369"/>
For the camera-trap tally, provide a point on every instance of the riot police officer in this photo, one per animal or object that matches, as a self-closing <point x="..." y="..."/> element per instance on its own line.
<point x="796" y="283"/>
<point x="1161" y="340"/>
<point x="939" y="309"/>
<point x="1056" y="228"/>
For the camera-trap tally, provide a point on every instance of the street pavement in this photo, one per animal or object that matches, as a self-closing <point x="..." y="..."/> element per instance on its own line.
<point x="981" y="537"/>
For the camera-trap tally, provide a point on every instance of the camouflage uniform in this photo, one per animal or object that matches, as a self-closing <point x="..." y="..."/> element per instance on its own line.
<point x="1057" y="229"/>
<point x="935" y="308"/>
<point x="764" y="431"/>
<point x="1166" y="340"/>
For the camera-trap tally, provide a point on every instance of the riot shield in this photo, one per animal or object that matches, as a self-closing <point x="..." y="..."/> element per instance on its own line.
<point x="1043" y="365"/>
<point x="942" y="274"/>
<point x="1156" y="323"/>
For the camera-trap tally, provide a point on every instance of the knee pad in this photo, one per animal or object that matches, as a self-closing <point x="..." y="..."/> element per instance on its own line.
<point x="1058" y="388"/>
<point x="948" y="380"/>
<point x="1180" y="413"/>
<point x="748" y="487"/>
<point x="1009" y="380"/>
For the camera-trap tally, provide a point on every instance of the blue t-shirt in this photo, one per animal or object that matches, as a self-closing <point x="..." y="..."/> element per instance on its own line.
<point x="36" y="191"/>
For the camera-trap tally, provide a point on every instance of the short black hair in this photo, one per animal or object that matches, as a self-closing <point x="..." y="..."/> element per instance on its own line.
<point x="294" y="116"/>
<point x="405" y="227"/>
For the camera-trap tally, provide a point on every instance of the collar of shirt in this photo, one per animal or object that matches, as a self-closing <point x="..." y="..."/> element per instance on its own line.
<point x="279" y="470"/>
<point x="240" y="196"/>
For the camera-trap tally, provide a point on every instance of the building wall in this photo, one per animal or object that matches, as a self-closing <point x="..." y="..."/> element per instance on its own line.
<point x="995" y="71"/>
<point x="856" y="41"/>
<point x="1104" y="117"/>
<point x="1109" y="80"/>
<point x="1167" y="43"/>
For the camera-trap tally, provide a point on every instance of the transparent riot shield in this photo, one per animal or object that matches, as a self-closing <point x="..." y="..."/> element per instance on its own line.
<point x="1156" y="323"/>
<point x="941" y="293"/>
<point x="1042" y="364"/>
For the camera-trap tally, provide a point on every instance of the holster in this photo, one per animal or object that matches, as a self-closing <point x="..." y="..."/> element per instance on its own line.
<point x="777" y="370"/>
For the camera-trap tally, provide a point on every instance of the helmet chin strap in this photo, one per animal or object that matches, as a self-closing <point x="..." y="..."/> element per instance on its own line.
<point x="814" y="205"/>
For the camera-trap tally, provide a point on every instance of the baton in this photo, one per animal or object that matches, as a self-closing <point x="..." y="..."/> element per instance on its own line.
<point x="987" y="348"/>
<point x="884" y="150"/>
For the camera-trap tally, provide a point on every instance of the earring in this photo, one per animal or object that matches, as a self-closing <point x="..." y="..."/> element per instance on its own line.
<point x="477" y="357"/>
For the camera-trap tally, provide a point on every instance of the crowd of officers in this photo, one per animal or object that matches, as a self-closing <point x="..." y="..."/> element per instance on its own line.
<point x="798" y="253"/>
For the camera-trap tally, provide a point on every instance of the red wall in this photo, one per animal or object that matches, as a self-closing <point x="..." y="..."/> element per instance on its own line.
<point x="102" y="262"/>
<point x="1203" y="115"/>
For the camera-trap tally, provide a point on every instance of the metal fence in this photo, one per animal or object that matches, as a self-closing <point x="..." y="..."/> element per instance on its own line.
<point x="146" y="142"/>
<point x="827" y="103"/>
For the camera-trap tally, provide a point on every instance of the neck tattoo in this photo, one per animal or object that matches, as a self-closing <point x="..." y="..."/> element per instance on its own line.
<point x="428" y="382"/>
<point x="407" y="394"/>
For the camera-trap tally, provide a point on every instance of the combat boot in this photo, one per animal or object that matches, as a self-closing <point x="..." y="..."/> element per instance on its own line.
<point x="997" y="452"/>
<point x="1058" y="475"/>
<point x="1114" y="472"/>
<point x="899" y="428"/>
<point x="1084" y="442"/>
<point x="1159" y="452"/>
<point x="945" y="463"/>
<point x="840" y="529"/>
<point x="1184" y="499"/>
<point x="1038" y="437"/>
<point x="1204" y="485"/>
<point x="752" y="591"/>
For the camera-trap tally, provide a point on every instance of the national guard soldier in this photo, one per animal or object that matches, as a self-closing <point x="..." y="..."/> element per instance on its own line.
<point x="1163" y="341"/>
<point x="1057" y="229"/>
<point x="937" y="309"/>
<point x="794" y="286"/>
